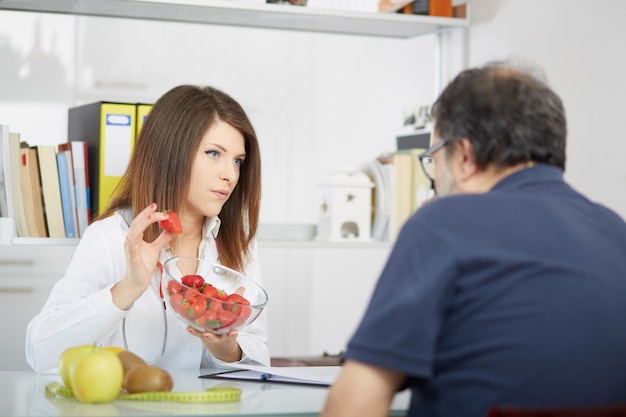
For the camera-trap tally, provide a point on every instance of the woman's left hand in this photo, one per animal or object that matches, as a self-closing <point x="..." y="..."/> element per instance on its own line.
<point x="223" y="346"/>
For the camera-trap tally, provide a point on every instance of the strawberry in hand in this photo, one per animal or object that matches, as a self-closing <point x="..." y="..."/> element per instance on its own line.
<point x="172" y="223"/>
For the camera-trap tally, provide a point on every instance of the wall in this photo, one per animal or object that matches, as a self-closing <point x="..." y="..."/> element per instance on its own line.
<point x="580" y="46"/>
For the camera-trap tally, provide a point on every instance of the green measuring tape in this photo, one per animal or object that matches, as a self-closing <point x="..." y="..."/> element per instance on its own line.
<point x="211" y="395"/>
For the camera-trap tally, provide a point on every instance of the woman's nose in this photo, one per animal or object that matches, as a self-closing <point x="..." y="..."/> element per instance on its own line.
<point x="227" y="172"/>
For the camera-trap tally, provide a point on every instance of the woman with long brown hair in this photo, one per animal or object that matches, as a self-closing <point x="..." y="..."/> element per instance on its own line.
<point x="198" y="156"/>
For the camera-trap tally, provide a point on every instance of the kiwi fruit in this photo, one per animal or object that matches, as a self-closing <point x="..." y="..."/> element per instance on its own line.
<point x="147" y="378"/>
<point x="129" y="360"/>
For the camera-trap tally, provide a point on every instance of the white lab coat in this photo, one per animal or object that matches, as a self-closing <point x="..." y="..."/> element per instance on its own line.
<point x="80" y="309"/>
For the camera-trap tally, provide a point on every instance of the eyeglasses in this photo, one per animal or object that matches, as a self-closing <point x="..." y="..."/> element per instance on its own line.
<point x="427" y="160"/>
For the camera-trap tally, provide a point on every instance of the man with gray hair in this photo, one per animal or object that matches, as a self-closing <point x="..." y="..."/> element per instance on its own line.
<point x="508" y="288"/>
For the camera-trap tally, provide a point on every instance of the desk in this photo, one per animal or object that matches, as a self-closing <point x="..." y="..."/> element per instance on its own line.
<point x="22" y="394"/>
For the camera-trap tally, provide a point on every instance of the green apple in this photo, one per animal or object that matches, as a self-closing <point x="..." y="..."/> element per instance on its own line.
<point x="97" y="376"/>
<point x="69" y="356"/>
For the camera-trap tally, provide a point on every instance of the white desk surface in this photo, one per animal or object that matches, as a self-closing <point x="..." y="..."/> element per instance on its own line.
<point x="23" y="394"/>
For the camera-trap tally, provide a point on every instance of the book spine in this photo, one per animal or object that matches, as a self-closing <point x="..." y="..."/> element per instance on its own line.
<point x="6" y="202"/>
<point x="66" y="199"/>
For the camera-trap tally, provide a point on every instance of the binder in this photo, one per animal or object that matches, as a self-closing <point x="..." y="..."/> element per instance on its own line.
<point x="142" y="112"/>
<point x="51" y="191"/>
<point x="109" y="130"/>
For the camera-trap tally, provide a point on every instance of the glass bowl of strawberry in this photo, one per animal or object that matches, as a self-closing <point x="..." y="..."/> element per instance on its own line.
<point x="209" y="296"/>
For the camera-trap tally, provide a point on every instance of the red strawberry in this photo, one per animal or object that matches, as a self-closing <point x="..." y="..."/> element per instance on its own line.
<point x="172" y="223"/>
<point x="226" y="318"/>
<point x="238" y="308"/>
<point x="221" y="295"/>
<point x="174" y="287"/>
<point x="191" y="294"/>
<point x="216" y="305"/>
<point x="237" y="299"/>
<point x="208" y="320"/>
<point x="210" y="291"/>
<point x="193" y="281"/>
<point x="175" y="300"/>
<point x="180" y="304"/>
<point x="198" y="307"/>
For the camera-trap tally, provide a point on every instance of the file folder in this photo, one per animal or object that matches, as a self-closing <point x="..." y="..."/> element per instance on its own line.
<point x="142" y="113"/>
<point x="109" y="130"/>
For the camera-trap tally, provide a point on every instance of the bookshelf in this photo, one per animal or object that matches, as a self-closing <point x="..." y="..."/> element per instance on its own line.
<point x="244" y="14"/>
<point x="232" y="13"/>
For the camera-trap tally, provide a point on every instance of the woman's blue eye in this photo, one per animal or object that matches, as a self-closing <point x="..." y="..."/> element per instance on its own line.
<point x="212" y="154"/>
<point x="239" y="162"/>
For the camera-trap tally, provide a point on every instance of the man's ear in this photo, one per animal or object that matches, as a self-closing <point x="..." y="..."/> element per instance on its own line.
<point x="466" y="162"/>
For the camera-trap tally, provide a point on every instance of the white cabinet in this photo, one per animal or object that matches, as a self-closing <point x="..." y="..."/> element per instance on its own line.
<point x="318" y="293"/>
<point x="27" y="274"/>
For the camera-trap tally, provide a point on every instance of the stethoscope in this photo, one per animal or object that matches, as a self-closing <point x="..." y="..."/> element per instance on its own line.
<point x="217" y="270"/>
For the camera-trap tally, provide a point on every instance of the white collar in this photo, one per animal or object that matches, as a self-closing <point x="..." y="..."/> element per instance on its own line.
<point x="210" y="227"/>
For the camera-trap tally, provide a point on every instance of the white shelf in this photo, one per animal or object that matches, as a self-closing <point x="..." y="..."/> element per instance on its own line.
<point x="320" y="244"/>
<point x="46" y="241"/>
<point x="268" y="244"/>
<point x="270" y="16"/>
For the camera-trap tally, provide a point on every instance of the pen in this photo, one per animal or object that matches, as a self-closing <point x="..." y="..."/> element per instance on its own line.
<point x="265" y="377"/>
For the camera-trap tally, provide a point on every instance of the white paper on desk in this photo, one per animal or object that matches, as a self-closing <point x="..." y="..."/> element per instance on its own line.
<point x="308" y="375"/>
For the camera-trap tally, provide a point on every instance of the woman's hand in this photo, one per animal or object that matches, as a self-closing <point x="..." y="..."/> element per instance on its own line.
<point x="141" y="257"/>
<point x="223" y="346"/>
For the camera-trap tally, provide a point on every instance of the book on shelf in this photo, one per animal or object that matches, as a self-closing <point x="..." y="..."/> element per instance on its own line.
<point x="5" y="185"/>
<point x="422" y="185"/>
<point x="65" y="186"/>
<point x="402" y="191"/>
<point x="380" y="173"/>
<point x="442" y="8"/>
<point x="390" y="6"/>
<point x="31" y="193"/>
<point x="360" y="5"/>
<point x="79" y="164"/>
<point x="12" y="179"/>
<point x="418" y="7"/>
<point x="400" y="188"/>
<point x="51" y="190"/>
<point x="411" y="187"/>
<point x="109" y="130"/>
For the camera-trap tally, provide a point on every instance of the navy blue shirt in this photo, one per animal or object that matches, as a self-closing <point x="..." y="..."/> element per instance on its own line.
<point x="515" y="296"/>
